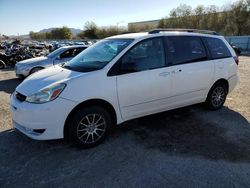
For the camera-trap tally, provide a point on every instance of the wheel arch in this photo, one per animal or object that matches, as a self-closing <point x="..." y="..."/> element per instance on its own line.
<point x="41" y="67"/>
<point x="221" y="80"/>
<point x="91" y="102"/>
<point x="224" y="81"/>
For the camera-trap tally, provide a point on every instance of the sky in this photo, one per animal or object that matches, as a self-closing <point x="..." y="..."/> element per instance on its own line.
<point x="18" y="17"/>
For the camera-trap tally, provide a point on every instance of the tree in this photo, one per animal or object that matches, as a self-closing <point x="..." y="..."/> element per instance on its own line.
<point x="231" y="20"/>
<point x="57" y="33"/>
<point x="32" y="35"/>
<point x="61" y="33"/>
<point x="161" y="23"/>
<point x="240" y="17"/>
<point x="90" y="29"/>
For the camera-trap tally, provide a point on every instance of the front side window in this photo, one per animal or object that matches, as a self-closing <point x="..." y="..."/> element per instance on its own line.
<point x="98" y="55"/>
<point x="71" y="53"/>
<point x="146" y="55"/>
<point x="185" y="49"/>
<point x="67" y="54"/>
<point x="55" y="53"/>
<point x="217" y="48"/>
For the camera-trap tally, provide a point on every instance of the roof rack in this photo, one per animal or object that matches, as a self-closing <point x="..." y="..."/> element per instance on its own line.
<point x="184" y="30"/>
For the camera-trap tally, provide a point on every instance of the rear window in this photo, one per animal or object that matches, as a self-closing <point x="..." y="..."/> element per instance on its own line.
<point x="217" y="48"/>
<point x="185" y="49"/>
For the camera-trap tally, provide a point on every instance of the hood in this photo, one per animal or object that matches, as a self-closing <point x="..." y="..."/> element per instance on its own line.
<point x="33" y="60"/>
<point x="44" y="78"/>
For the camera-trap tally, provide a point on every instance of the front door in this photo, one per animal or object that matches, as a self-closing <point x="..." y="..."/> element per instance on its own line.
<point x="145" y="81"/>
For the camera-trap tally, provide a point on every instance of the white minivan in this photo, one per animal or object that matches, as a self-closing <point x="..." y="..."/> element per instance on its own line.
<point x="121" y="78"/>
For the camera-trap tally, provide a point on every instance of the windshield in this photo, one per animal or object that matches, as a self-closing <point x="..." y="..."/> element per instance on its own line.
<point x="55" y="53"/>
<point x="98" y="55"/>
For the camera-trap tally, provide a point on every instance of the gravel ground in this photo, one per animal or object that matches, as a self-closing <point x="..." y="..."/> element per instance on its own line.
<point x="188" y="147"/>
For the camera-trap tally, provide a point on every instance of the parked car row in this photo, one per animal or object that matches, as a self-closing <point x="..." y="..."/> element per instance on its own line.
<point x="26" y="67"/>
<point x="12" y="52"/>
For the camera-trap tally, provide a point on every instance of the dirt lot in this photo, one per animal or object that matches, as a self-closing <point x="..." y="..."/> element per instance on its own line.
<point x="189" y="147"/>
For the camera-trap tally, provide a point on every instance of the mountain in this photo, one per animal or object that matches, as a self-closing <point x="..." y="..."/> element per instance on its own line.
<point x="73" y="30"/>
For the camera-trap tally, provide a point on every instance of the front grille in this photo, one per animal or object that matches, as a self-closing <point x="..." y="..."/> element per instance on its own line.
<point x="20" y="96"/>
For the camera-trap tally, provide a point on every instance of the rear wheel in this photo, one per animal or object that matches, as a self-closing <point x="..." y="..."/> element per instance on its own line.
<point x="217" y="96"/>
<point x="89" y="126"/>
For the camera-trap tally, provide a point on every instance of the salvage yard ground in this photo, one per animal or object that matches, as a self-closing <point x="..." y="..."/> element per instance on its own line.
<point x="189" y="147"/>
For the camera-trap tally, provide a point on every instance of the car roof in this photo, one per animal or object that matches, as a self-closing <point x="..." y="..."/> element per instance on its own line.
<point x="75" y="46"/>
<point x="130" y="35"/>
<point x="163" y="33"/>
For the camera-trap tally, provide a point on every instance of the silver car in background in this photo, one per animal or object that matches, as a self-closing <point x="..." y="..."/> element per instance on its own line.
<point x="61" y="55"/>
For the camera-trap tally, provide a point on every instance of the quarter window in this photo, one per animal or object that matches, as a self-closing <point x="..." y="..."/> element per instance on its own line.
<point x="146" y="55"/>
<point x="185" y="49"/>
<point x="217" y="48"/>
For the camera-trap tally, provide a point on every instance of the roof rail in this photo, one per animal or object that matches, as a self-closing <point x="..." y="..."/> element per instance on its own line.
<point x="184" y="30"/>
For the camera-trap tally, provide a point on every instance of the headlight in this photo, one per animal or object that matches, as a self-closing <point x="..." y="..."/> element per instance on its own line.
<point x="47" y="94"/>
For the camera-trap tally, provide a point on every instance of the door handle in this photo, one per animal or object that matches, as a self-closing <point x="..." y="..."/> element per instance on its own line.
<point x="176" y="71"/>
<point x="164" y="74"/>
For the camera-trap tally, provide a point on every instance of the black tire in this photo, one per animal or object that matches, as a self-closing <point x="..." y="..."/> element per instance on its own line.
<point x="89" y="126"/>
<point x="217" y="96"/>
<point x="35" y="70"/>
<point x="2" y="64"/>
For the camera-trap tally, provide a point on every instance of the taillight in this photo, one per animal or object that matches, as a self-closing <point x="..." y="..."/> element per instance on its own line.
<point x="236" y="59"/>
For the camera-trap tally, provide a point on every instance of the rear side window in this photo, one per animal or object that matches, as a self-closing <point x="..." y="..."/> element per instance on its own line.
<point x="185" y="49"/>
<point x="217" y="48"/>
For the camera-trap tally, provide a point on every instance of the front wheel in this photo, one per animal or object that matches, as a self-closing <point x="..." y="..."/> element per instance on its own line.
<point x="216" y="96"/>
<point x="89" y="126"/>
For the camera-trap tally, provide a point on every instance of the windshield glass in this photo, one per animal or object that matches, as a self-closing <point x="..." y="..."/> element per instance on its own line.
<point x="98" y="55"/>
<point x="55" y="53"/>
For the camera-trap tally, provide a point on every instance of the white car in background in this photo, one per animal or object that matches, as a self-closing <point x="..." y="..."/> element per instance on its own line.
<point x="29" y="66"/>
<point x="122" y="78"/>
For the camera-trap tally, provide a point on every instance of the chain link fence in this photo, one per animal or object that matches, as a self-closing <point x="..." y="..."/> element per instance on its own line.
<point x="242" y="42"/>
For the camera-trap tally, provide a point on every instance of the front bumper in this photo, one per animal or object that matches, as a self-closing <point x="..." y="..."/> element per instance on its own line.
<point x="41" y="121"/>
<point x="22" y="72"/>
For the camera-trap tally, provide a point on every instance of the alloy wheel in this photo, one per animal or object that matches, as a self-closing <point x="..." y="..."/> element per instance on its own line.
<point x="91" y="128"/>
<point x="218" y="96"/>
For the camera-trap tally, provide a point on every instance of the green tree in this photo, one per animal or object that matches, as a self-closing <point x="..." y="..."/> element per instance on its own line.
<point x="32" y="35"/>
<point x="90" y="30"/>
<point x="61" y="33"/>
<point x="161" y="23"/>
<point x="232" y="20"/>
<point x="239" y="17"/>
<point x="57" y="33"/>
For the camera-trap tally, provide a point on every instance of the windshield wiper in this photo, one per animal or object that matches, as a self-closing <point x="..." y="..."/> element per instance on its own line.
<point x="62" y="64"/>
<point x="67" y="67"/>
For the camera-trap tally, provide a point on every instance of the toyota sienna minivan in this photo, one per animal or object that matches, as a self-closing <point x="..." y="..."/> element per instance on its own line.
<point x="121" y="78"/>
